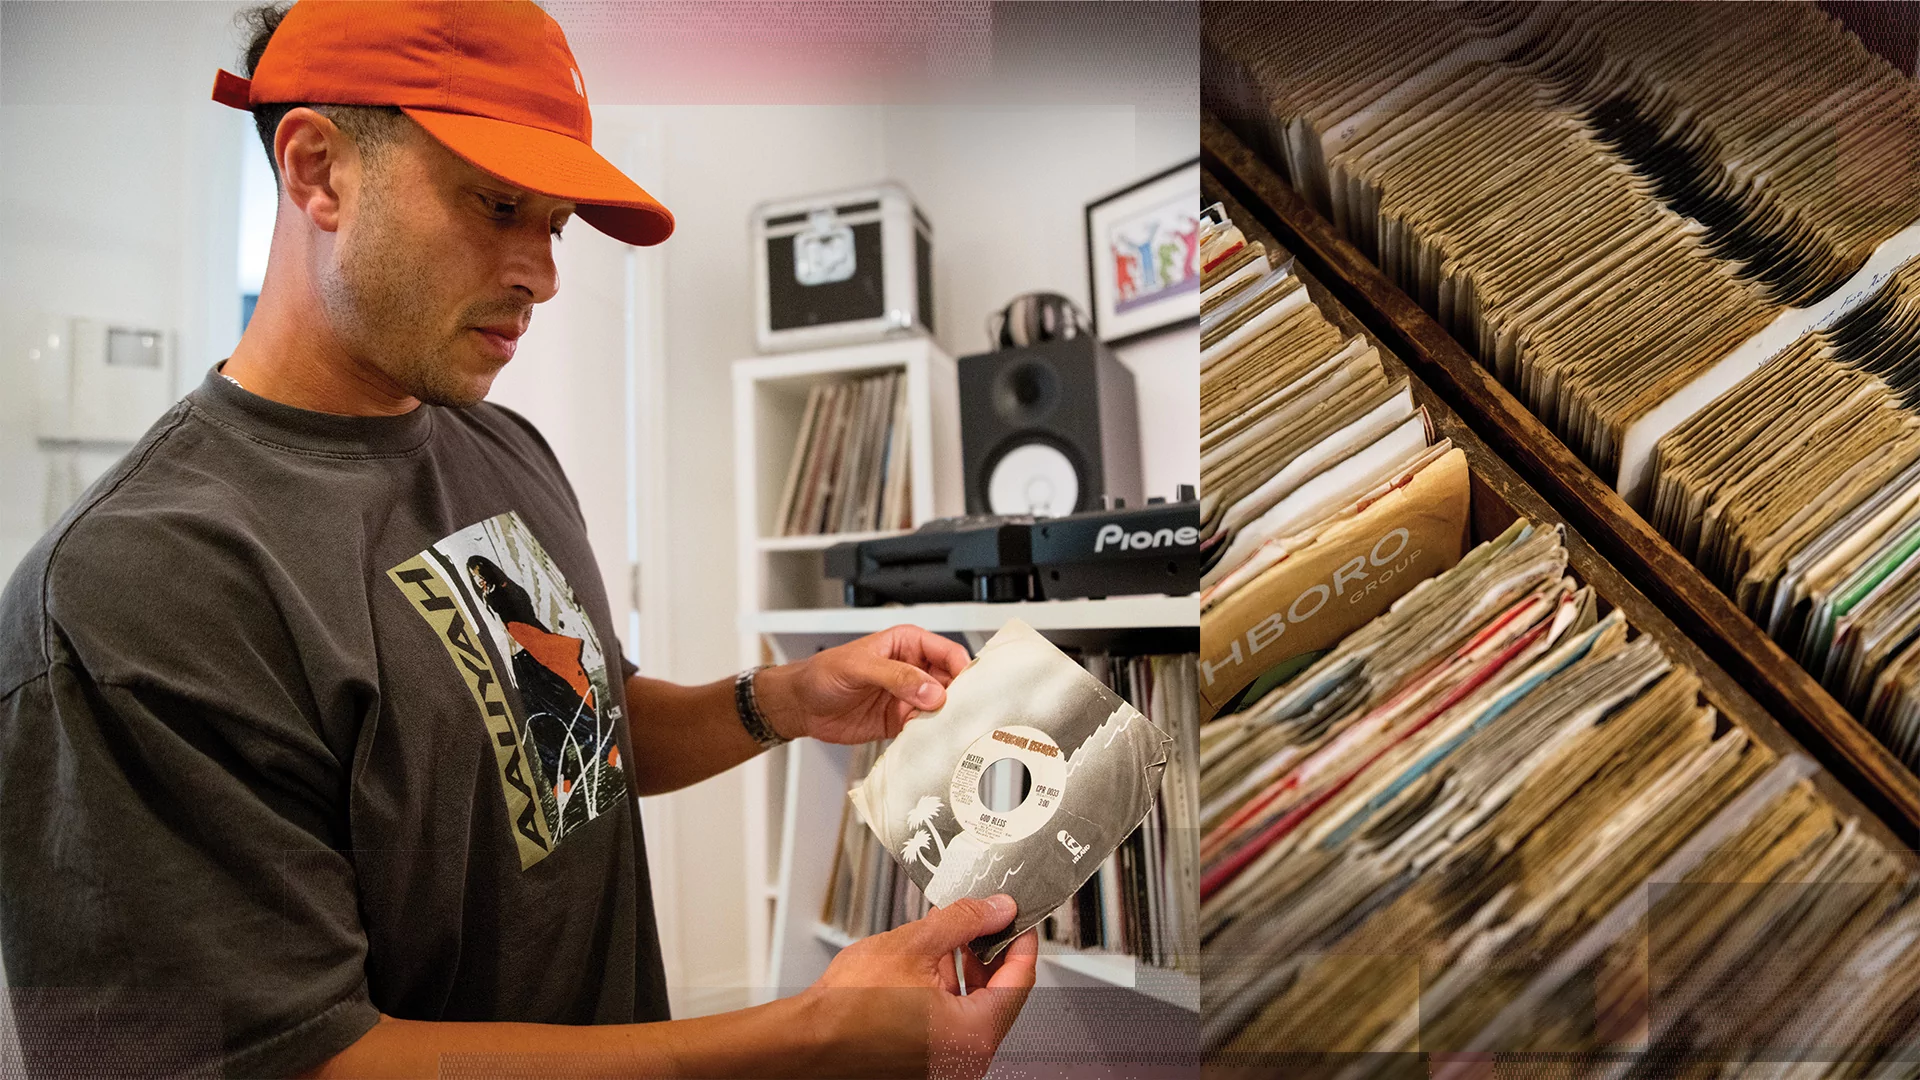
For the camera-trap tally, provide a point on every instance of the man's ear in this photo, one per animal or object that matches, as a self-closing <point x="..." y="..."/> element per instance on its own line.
<point x="317" y="161"/>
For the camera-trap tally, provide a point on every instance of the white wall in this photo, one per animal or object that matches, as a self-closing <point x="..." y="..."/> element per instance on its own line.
<point x="1006" y="188"/>
<point x="116" y="177"/>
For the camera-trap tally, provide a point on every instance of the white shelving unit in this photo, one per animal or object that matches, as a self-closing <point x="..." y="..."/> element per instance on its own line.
<point x="769" y="398"/>
<point x="789" y="610"/>
<point x="786" y="572"/>
<point x="1043" y="615"/>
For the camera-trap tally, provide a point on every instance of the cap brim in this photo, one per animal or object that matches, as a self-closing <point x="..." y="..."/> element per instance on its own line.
<point x="558" y="166"/>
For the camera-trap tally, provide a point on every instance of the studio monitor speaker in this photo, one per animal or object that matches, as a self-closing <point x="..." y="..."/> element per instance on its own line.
<point x="1048" y="429"/>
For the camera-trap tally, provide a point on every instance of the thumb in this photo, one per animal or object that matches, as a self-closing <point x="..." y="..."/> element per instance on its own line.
<point x="902" y="680"/>
<point x="946" y="929"/>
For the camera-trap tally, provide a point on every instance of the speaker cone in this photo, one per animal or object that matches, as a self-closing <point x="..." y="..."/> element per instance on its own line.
<point x="1024" y="394"/>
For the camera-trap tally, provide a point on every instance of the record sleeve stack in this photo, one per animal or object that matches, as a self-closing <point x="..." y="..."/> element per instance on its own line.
<point x="1796" y="492"/>
<point x="1496" y="820"/>
<point x="1311" y="457"/>
<point x="1680" y="236"/>
<point x="849" y="470"/>
<point x="870" y="892"/>
<point x="1601" y="201"/>
<point x="1141" y="900"/>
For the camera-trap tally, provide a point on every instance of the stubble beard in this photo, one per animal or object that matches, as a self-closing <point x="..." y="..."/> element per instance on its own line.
<point x="377" y="297"/>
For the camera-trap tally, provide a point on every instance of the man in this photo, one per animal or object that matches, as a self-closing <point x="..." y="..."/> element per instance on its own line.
<point x="312" y="757"/>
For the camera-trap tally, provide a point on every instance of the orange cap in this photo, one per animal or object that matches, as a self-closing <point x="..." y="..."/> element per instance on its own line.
<point x="493" y="80"/>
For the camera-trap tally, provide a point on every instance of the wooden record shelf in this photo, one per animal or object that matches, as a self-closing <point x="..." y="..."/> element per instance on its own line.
<point x="1500" y="493"/>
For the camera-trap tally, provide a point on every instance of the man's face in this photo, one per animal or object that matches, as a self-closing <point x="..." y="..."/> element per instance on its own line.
<point x="436" y="268"/>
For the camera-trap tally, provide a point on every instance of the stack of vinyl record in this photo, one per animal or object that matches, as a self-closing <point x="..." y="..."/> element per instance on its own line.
<point x="1681" y="237"/>
<point x="1600" y="200"/>
<point x="870" y="892"/>
<point x="1494" y="819"/>
<point x="1140" y="901"/>
<point x="1311" y="456"/>
<point x="1298" y="421"/>
<point x="849" y="470"/>
<point x="1798" y="492"/>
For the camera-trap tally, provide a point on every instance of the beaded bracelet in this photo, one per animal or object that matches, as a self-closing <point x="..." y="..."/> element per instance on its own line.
<point x="748" y="707"/>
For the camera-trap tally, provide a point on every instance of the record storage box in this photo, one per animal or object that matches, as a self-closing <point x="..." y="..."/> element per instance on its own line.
<point x="1499" y="494"/>
<point x="1614" y="538"/>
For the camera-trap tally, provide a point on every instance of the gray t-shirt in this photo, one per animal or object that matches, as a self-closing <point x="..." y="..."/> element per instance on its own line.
<point x="307" y="716"/>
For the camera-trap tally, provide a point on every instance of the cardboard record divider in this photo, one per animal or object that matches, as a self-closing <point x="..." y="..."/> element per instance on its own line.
<point x="1351" y="573"/>
<point x="1499" y="495"/>
<point x="1711" y="633"/>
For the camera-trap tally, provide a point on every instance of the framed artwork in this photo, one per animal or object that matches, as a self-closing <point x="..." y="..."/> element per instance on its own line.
<point x="1143" y="255"/>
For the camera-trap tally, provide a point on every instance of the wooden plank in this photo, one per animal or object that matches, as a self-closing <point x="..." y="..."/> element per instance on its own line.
<point x="1521" y="468"/>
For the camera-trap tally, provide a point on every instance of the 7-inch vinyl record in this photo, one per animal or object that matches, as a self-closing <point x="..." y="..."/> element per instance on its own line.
<point x="1024" y="782"/>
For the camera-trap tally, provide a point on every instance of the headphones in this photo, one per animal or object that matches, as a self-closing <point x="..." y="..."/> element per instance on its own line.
<point x="1032" y="318"/>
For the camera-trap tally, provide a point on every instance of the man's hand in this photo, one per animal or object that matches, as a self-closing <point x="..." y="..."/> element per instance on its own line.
<point x="887" y="1006"/>
<point x="863" y="690"/>
<point x="893" y="1002"/>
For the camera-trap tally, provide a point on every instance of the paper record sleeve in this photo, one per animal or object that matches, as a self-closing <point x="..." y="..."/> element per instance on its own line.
<point x="1092" y="771"/>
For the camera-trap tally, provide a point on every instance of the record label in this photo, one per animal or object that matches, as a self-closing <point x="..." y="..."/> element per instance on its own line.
<point x="1046" y="771"/>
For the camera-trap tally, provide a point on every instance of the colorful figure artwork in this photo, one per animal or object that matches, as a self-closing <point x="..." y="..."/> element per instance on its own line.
<point x="1156" y="254"/>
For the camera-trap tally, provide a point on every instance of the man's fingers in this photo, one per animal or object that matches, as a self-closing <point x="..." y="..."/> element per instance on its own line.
<point x="1006" y="990"/>
<point x="942" y="657"/>
<point x="977" y="972"/>
<point x="902" y="680"/>
<point x="946" y="929"/>
<point x="897" y="715"/>
<point x="1016" y="965"/>
<point x="943" y="654"/>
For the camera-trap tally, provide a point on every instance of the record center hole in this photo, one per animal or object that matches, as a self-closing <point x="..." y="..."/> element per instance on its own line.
<point x="1004" y="785"/>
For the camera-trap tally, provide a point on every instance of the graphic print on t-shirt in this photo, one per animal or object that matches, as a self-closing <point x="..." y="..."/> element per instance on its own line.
<point x="558" y="758"/>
